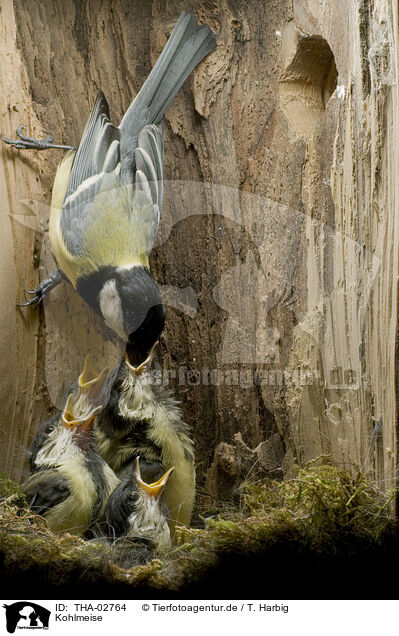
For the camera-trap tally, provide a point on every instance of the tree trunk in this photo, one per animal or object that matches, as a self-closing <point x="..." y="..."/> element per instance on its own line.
<point x="278" y="247"/>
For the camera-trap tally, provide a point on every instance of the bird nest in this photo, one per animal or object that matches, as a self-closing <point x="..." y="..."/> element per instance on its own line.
<point x="321" y="511"/>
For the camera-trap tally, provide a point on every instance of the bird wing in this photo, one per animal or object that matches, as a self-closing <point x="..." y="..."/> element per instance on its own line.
<point x="103" y="221"/>
<point x="80" y="176"/>
<point x="109" y="223"/>
<point x="45" y="490"/>
<point x="96" y="158"/>
<point x="149" y="181"/>
<point x="112" y="204"/>
<point x="98" y="148"/>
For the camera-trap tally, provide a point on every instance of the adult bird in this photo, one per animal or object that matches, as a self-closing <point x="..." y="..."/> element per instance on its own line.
<point x="70" y="483"/>
<point x="107" y="199"/>
<point x="142" y="419"/>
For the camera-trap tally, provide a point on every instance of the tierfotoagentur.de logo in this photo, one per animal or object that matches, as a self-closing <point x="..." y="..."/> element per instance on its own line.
<point x="26" y="615"/>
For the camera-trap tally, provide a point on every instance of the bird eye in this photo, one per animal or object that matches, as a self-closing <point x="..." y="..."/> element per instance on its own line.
<point x="49" y="428"/>
<point x="132" y="497"/>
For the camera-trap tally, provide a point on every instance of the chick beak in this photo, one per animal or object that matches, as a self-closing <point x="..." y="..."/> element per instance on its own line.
<point x="141" y="367"/>
<point x="154" y="489"/>
<point x="81" y="427"/>
<point x="91" y="382"/>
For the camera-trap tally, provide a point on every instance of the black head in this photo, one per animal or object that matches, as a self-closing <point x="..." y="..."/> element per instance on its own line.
<point x="143" y="312"/>
<point x="141" y="341"/>
<point x="130" y="303"/>
<point x="56" y="436"/>
<point x="120" y="505"/>
<point x="136" y="508"/>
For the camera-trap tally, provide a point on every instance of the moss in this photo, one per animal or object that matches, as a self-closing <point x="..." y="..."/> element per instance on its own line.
<point x="323" y="509"/>
<point x="9" y="488"/>
<point x="328" y="505"/>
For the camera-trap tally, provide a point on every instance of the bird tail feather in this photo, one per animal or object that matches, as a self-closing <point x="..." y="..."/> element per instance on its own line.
<point x="187" y="45"/>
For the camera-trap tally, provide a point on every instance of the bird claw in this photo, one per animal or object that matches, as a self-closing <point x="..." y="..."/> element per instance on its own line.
<point x="39" y="294"/>
<point x="33" y="301"/>
<point x="30" y="143"/>
<point x="42" y="289"/>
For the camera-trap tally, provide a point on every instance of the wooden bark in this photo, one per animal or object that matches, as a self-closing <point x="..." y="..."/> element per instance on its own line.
<point x="280" y="214"/>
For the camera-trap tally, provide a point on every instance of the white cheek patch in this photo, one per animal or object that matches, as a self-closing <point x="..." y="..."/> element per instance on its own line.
<point x="111" y="308"/>
<point x="59" y="447"/>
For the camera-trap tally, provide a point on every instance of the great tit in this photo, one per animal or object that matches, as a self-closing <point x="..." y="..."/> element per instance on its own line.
<point x="107" y="199"/>
<point x="135" y="517"/>
<point x="70" y="482"/>
<point x="142" y="419"/>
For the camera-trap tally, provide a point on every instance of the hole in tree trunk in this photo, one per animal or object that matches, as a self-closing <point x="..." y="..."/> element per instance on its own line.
<point x="308" y="80"/>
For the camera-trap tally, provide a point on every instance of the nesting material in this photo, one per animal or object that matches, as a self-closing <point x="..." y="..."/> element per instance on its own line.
<point x="323" y="509"/>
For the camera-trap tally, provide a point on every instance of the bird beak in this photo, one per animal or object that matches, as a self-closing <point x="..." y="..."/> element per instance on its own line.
<point x="142" y="367"/>
<point x="85" y="425"/>
<point x="69" y="418"/>
<point x="90" y="381"/>
<point x="154" y="489"/>
<point x="81" y="427"/>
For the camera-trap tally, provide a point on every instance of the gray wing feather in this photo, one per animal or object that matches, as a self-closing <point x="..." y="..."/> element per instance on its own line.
<point x="149" y="175"/>
<point x="45" y="490"/>
<point x="149" y="159"/>
<point x="96" y="158"/>
<point x="107" y="138"/>
<point x="143" y="186"/>
<point x="111" y="160"/>
<point x="146" y="169"/>
<point x="94" y="144"/>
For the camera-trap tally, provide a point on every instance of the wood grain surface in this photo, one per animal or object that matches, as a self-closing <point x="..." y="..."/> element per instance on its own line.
<point x="278" y="247"/>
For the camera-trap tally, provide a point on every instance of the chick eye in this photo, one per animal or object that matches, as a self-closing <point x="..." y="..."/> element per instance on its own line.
<point x="132" y="497"/>
<point x="49" y="428"/>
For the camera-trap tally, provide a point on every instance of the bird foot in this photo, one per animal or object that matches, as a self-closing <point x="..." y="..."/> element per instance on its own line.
<point x="42" y="290"/>
<point x="29" y="143"/>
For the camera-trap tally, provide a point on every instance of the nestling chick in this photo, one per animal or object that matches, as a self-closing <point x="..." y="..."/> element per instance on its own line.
<point x="87" y="389"/>
<point x="143" y="420"/>
<point x="70" y="482"/>
<point x="136" y="517"/>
